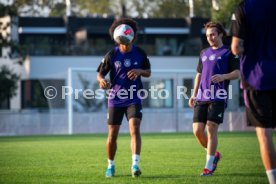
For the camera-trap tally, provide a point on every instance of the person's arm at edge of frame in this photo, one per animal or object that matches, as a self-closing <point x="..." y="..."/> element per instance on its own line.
<point x="196" y="86"/>
<point x="102" y="81"/>
<point x="237" y="46"/>
<point x="145" y="73"/>
<point x="235" y="74"/>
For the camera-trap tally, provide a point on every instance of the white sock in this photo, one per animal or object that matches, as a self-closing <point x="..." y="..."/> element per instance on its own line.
<point x="209" y="162"/>
<point x="271" y="175"/>
<point x="110" y="163"/>
<point x="135" y="159"/>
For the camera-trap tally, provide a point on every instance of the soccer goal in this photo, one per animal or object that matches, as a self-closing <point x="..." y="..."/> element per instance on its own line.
<point x="85" y="101"/>
<point x="87" y="113"/>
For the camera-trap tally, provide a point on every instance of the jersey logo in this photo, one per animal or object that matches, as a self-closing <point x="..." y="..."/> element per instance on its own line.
<point x="136" y="63"/>
<point x="118" y="64"/>
<point x="204" y="58"/>
<point x="219" y="57"/>
<point x="127" y="63"/>
<point x="212" y="57"/>
<point x="220" y="115"/>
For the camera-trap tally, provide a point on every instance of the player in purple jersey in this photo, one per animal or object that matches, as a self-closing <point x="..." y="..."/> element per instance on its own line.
<point x="216" y="66"/>
<point x="253" y="33"/>
<point x="126" y="64"/>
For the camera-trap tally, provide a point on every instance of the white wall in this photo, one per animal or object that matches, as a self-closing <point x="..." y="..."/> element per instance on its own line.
<point x="56" y="67"/>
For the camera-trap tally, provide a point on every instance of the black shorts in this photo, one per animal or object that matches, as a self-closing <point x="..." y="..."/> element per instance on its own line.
<point x="260" y="108"/>
<point x="212" y="111"/>
<point x="116" y="114"/>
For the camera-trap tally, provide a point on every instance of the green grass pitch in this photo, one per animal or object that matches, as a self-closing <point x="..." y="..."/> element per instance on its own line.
<point x="165" y="159"/>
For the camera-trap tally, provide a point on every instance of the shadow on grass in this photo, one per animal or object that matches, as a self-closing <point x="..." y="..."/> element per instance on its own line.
<point x="243" y="174"/>
<point x="192" y="176"/>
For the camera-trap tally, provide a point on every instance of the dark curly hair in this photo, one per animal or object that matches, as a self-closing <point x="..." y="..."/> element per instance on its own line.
<point x="218" y="26"/>
<point x="133" y="24"/>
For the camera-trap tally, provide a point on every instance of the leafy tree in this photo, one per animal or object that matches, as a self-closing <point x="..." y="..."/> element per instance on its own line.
<point x="17" y="51"/>
<point x="8" y="81"/>
<point x="223" y="15"/>
<point x="32" y="7"/>
<point x="142" y="9"/>
<point x="171" y="9"/>
<point x="8" y="10"/>
<point x="202" y="8"/>
<point x="58" y="10"/>
<point x="93" y="7"/>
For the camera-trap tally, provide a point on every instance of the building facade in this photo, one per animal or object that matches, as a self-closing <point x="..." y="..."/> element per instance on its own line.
<point x="67" y="51"/>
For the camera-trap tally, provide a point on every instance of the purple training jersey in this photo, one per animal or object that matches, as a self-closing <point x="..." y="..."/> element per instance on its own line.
<point x="211" y="62"/>
<point x="124" y="92"/>
<point x="254" y="23"/>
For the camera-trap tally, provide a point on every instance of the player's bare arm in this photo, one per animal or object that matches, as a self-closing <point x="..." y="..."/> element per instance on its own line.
<point x="237" y="46"/>
<point x="228" y="76"/>
<point x="102" y="81"/>
<point x="134" y="73"/>
<point x="196" y="86"/>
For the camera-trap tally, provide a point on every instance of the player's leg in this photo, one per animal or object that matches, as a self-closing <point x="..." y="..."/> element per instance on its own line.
<point x="212" y="129"/>
<point x="267" y="150"/>
<point x="115" y="116"/>
<point x="260" y="111"/>
<point x="198" y="130"/>
<point x="134" y="128"/>
<point x="268" y="153"/>
<point x="199" y="121"/>
<point x="215" y="117"/>
<point x="134" y="115"/>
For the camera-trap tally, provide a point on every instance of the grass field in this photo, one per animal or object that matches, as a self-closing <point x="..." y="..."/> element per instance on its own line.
<point x="166" y="159"/>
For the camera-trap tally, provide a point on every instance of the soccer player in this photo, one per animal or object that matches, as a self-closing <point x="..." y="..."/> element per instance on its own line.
<point x="126" y="64"/>
<point x="253" y="33"/>
<point x="216" y="66"/>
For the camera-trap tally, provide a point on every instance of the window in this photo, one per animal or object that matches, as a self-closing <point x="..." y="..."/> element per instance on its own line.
<point x="166" y="46"/>
<point x="160" y="93"/>
<point x="188" y="84"/>
<point x="33" y="94"/>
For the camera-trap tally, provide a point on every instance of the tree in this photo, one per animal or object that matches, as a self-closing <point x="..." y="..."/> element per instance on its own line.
<point x="93" y="7"/>
<point x="58" y="10"/>
<point x="223" y="15"/>
<point x="171" y="9"/>
<point x="8" y="81"/>
<point x="32" y="7"/>
<point x="203" y="8"/>
<point x="16" y="51"/>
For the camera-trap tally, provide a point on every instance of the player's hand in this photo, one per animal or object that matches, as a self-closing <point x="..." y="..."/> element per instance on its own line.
<point x="133" y="74"/>
<point x="104" y="84"/>
<point x="192" y="102"/>
<point x="217" y="78"/>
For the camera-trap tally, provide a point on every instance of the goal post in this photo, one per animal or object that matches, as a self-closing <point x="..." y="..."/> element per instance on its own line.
<point x="70" y="84"/>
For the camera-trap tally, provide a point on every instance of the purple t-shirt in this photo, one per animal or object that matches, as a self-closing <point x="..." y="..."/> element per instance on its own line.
<point x="211" y="62"/>
<point x="254" y="22"/>
<point x="123" y="91"/>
